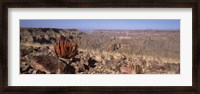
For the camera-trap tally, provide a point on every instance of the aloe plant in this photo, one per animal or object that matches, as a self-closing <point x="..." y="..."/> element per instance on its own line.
<point x="66" y="48"/>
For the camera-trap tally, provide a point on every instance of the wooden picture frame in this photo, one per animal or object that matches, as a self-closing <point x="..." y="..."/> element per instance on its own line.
<point x="194" y="89"/>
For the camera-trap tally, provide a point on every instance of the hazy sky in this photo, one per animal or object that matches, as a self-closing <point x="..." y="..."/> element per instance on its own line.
<point x="87" y="25"/>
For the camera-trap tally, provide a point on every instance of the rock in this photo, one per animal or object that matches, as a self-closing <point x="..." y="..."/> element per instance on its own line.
<point x="91" y="62"/>
<point x="40" y="72"/>
<point x="37" y="49"/>
<point x="136" y="69"/>
<point x="47" y="64"/>
<point x="34" y="72"/>
<point x="26" y="69"/>
<point x="175" y="67"/>
<point x="123" y="57"/>
<point x="30" y="71"/>
<point x="109" y="63"/>
<point x="127" y="70"/>
<point x="98" y="58"/>
<point x="76" y="60"/>
<point x="104" y="62"/>
<point x="81" y="67"/>
<point x="23" y="67"/>
<point x="24" y="50"/>
<point x="69" y="69"/>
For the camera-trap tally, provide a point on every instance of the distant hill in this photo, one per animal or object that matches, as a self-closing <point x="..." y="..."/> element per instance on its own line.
<point x="45" y="35"/>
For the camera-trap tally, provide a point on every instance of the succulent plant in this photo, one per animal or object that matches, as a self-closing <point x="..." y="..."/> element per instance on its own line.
<point x="66" y="48"/>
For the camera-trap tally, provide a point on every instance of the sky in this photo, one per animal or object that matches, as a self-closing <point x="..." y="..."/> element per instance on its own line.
<point x="106" y="24"/>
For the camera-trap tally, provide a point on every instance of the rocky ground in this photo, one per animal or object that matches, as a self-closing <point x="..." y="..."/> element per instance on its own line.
<point x="101" y="53"/>
<point x="42" y="60"/>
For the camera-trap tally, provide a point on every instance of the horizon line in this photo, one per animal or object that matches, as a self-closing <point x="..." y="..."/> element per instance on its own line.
<point x="102" y="29"/>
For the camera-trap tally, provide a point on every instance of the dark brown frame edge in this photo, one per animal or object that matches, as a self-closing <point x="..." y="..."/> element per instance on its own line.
<point x="194" y="89"/>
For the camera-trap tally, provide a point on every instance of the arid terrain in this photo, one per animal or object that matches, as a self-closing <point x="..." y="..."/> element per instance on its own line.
<point x="100" y="52"/>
